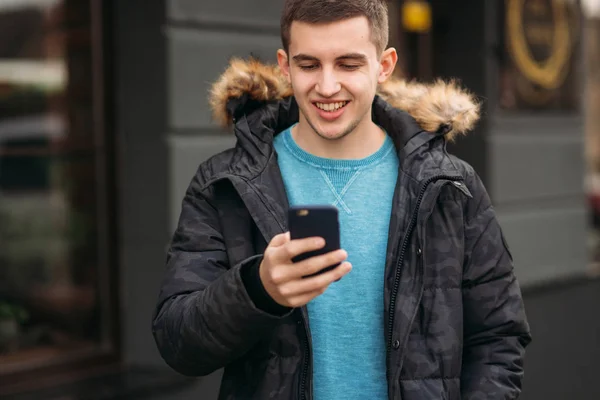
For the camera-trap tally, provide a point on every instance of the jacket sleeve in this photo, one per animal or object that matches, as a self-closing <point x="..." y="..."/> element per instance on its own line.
<point x="496" y="331"/>
<point x="204" y="318"/>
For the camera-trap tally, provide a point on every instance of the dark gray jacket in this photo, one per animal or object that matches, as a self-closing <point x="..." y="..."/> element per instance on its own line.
<point x="455" y="323"/>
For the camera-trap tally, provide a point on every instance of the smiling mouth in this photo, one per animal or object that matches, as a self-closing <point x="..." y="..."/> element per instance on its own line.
<point x="331" y="107"/>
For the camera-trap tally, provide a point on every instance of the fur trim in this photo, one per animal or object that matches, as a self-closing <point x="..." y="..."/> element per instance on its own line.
<point x="436" y="106"/>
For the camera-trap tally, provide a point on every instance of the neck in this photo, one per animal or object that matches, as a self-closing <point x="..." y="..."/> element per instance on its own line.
<point x="363" y="141"/>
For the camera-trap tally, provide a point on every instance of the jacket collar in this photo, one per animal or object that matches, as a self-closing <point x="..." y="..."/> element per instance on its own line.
<point x="256" y="99"/>
<point x="267" y="120"/>
<point x="439" y="107"/>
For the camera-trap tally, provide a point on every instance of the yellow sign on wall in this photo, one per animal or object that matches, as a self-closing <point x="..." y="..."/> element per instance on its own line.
<point x="540" y="72"/>
<point x="543" y="26"/>
<point x="416" y="16"/>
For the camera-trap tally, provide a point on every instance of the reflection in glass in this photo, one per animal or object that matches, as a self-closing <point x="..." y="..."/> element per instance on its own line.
<point x="48" y="199"/>
<point x="539" y="55"/>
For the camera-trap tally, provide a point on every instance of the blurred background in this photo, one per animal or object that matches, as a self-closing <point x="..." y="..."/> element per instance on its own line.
<point x="104" y="119"/>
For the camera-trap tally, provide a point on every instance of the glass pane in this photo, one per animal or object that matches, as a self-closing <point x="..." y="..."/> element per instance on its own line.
<point x="49" y="298"/>
<point x="539" y="54"/>
<point x="592" y="129"/>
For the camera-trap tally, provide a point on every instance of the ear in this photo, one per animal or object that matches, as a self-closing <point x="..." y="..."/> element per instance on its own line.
<point x="388" y="61"/>
<point x="284" y="63"/>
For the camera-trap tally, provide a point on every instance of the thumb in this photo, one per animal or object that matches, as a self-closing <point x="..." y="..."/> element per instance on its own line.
<point x="280" y="239"/>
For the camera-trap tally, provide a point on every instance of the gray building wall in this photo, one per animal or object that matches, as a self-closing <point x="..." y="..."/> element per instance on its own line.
<point x="168" y="53"/>
<point x="537" y="173"/>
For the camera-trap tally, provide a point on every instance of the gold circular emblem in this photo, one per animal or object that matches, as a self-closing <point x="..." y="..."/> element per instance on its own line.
<point x="550" y="72"/>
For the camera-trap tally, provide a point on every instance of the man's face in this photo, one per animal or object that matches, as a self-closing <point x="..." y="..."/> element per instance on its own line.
<point x="334" y="70"/>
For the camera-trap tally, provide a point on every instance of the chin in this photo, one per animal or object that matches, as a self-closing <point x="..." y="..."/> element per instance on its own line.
<point x="335" y="131"/>
<point x="330" y="134"/>
<point x="328" y="131"/>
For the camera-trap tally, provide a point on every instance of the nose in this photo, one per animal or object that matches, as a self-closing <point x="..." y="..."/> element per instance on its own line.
<point x="328" y="84"/>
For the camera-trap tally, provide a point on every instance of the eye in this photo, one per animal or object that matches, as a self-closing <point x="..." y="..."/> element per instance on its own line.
<point x="350" y="67"/>
<point x="308" y="67"/>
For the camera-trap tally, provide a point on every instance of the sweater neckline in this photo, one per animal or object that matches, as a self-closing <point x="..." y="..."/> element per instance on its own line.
<point x="335" y="163"/>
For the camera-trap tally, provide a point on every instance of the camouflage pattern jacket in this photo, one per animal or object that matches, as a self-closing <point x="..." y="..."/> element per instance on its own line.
<point x="455" y="321"/>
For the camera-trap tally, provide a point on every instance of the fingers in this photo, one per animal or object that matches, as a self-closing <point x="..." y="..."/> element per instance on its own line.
<point x="315" y="264"/>
<point x="306" y="289"/>
<point x="284" y="280"/>
<point x="322" y="281"/>
<point x="280" y="240"/>
<point x="287" y="251"/>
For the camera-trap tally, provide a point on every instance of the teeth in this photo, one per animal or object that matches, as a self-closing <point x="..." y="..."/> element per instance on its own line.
<point x="331" y="106"/>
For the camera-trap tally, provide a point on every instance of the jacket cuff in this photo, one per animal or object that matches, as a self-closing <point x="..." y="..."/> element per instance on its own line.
<point x="250" y="275"/>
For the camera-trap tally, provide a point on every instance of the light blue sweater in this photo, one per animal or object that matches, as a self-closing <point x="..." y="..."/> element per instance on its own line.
<point x="346" y="322"/>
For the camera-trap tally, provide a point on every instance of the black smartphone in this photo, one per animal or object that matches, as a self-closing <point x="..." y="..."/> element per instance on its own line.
<point x="315" y="221"/>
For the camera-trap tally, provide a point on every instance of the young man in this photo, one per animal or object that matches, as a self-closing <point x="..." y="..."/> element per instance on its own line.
<point x="427" y="306"/>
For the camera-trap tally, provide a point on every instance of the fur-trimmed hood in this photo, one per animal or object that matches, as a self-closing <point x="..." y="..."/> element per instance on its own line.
<point x="436" y="107"/>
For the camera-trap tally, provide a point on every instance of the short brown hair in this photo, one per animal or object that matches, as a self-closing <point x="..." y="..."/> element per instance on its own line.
<point x="326" y="11"/>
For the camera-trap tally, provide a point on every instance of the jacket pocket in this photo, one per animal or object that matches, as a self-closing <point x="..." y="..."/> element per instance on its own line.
<point x="434" y="345"/>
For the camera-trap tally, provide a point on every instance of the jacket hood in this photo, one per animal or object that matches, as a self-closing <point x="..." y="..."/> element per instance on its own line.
<point x="436" y="107"/>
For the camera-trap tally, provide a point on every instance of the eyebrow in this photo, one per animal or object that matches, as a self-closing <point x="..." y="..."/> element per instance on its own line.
<point x="350" y="56"/>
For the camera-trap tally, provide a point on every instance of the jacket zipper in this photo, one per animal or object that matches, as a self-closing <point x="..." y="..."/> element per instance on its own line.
<point x="304" y="372"/>
<point x="411" y="227"/>
<point x="306" y="359"/>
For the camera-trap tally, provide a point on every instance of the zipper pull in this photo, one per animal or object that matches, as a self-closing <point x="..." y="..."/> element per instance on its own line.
<point x="463" y="188"/>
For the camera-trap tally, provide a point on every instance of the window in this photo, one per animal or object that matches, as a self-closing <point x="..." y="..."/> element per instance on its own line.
<point x="56" y="305"/>
<point x="539" y="55"/>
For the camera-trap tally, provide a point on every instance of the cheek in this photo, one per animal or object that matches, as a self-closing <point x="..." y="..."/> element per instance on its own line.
<point x="361" y="87"/>
<point x="301" y="85"/>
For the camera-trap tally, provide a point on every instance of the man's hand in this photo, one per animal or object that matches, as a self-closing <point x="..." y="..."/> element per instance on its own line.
<point x="283" y="279"/>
